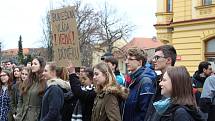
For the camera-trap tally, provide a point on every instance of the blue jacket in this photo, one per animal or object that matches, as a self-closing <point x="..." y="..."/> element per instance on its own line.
<point x="141" y="90"/>
<point x="120" y="78"/>
<point x="53" y="101"/>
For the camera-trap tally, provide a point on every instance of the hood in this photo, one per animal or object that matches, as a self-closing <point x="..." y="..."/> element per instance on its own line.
<point x="148" y="72"/>
<point x="118" y="90"/>
<point x="57" y="81"/>
<point x="196" y="114"/>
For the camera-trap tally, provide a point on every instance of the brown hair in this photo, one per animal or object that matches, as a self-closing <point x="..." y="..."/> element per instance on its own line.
<point x="52" y="66"/>
<point x="22" y="85"/>
<point x="37" y="76"/>
<point x="89" y="73"/>
<point x="139" y="54"/>
<point x="108" y="73"/>
<point x="62" y="73"/>
<point x="9" y="83"/>
<point x="181" y="86"/>
<point x="13" y="77"/>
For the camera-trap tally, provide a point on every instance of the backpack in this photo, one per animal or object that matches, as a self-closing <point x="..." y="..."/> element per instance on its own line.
<point x="68" y="106"/>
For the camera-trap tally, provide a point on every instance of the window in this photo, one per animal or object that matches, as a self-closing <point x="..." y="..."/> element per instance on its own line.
<point x="169" y="5"/>
<point x="210" y="52"/>
<point x="207" y="2"/>
<point x="210" y="46"/>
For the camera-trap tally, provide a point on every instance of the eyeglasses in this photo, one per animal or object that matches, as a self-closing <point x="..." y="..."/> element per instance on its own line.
<point x="156" y="58"/>
<point x="131" y="59"/>
<point x="3" y="75"/>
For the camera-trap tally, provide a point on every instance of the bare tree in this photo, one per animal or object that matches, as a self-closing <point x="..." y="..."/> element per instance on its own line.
<point x="102" y="27"/>
<point x="87" y="25"/>
<point x="113" y="27"/>
<point x="47" y="36"/>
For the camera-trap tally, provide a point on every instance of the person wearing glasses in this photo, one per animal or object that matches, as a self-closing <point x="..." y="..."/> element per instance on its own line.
<point x="141" y="86"/>
<point x="164" y="57"/>
<point x="6" y="91"/>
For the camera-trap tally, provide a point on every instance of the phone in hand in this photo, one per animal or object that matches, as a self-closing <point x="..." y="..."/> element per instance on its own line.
<point x="77" y="70"/>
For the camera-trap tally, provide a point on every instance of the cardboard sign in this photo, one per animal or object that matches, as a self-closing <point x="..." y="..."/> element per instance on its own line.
<point x="65" y="37"/>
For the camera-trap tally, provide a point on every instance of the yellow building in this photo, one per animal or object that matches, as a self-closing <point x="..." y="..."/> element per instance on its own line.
<point x="189" y="25"/>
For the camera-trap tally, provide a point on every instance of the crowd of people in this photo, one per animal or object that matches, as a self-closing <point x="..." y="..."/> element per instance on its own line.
<point x="43" y="91"/>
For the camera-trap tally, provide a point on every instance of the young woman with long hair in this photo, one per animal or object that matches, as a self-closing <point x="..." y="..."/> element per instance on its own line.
<point x="5" y="96"/>
<point x="180" y="103"/>
<point x="24" y="78"/>
<point x="106" y="104"/>
<point x="17" y="74"/>
<point x="33" y="90"/>
<point x="16" y="77"/>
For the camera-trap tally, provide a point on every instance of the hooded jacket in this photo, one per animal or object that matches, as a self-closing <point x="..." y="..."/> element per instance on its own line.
<point x="141" y="89"/>
<point x="53" y="100"/>
<point x="106" y="105"/>
<point x="198" y="80"/>
<point x="119" y="78"/>
<point x="182" y="113"/>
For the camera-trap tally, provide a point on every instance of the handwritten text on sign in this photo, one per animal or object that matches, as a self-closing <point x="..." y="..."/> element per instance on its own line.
<point x="65" y="37"/>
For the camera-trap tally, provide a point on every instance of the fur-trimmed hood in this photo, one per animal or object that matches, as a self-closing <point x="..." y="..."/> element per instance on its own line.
<point x="118" y="90"/>
<point x="57" y="81"/>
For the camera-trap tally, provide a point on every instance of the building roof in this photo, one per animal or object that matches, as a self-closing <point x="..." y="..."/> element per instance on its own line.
<point x="143" y="43"/>
<point x="139" y="42"/>
<point x="15" y="51"/>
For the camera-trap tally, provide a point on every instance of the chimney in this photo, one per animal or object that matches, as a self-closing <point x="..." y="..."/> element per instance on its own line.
<point x="154" y="38"/>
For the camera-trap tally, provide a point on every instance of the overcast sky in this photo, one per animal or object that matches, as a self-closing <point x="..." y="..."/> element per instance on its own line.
<point x="24" y="17"/>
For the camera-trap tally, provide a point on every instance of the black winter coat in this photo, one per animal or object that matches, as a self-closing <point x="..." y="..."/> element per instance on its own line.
<point x="86" y="97"/>
<point x="182" y="113"/>
<point x="151" y="114"/>
<point x="52" y="104"/>
<point x="69" y="105"/>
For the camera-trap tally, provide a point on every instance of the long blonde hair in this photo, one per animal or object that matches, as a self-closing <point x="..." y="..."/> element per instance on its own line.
<point x="108" y="73"/>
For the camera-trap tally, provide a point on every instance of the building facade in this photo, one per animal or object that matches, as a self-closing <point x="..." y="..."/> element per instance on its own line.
<point x="147" y="44"/>
<point x="189" y="25"/>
